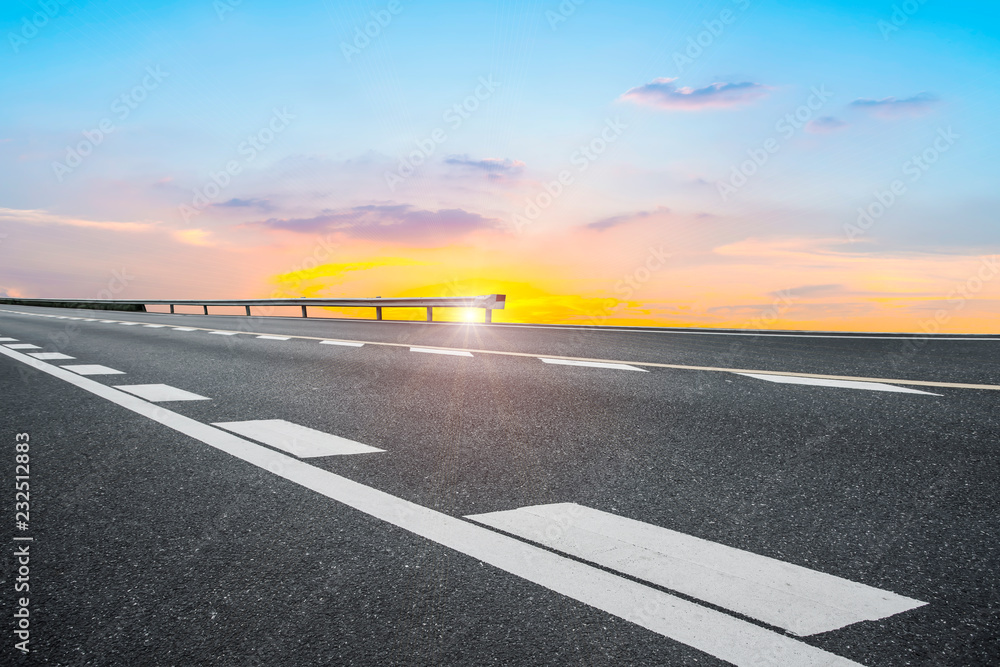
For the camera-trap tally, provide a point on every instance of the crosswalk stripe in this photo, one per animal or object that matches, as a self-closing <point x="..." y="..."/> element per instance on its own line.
<point x="300" y="441"/>
<point x="49" y="356"/>
<point x="22" y="346"/>
<point x="800" y="600"/>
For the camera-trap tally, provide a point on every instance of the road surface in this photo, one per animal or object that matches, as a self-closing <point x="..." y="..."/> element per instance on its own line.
<point x="212" y="490"/>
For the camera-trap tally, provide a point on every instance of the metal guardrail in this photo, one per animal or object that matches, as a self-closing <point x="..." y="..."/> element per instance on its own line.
<point x="488" y="303"/>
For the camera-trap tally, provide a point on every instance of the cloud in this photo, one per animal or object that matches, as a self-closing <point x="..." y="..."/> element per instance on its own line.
<point x="41" y="217"/>
<point x="400" y="221"/>
<point x="810" y="290"/>
<point x="615" y="221"/>
<point x="890" y="107"/>
<point x="825" y="125"/>
<point x="496" y="169"/>
<point x="235" y="202"/>
<point x="663" y="94"/>
<point x="490" y="164"/>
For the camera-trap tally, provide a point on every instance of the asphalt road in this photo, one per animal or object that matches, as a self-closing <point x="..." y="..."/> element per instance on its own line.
<point x="154" y="543"/>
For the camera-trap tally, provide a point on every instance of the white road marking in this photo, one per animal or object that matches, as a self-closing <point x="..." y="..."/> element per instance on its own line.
<point x="160" y="392"/>
<point x="784" y="595"/>
<point x="22" y="346"/>
<point x="50" y="355"/>
<point x="6" y="340"/>
<point x="90" y="319"/>
<point x="184" y="329"/>
<point x="651" y="364"/>
<point x="92" y="369"/>
<point x="593" y="364"/>
<point x="713" y="632"/>
<point x="843" y="384"/>
<point x="154" y="326"/>
<point x="298" y="440"/>
<point x="345" y="343"/>
<point x="273" y="337"/>
<point x="224" y="333"/>
<point x="128" y="324"/>
<point x="108" y="321"/>
<point x="430" y="350"/>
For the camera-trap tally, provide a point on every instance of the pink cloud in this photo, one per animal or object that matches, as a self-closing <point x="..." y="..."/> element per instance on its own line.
<point x="663" y="94"/>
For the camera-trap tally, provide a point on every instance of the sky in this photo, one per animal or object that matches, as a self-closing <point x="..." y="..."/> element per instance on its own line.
<point x="761" y="164"/>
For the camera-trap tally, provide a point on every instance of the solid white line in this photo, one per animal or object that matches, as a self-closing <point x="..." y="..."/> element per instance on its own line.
<point x="92" y="369"/>
<point x="843" y="384"/>
<point x="781" y="594"/>
<point x="452" y="353"/>
<point x="22" y="346"/>
<point x="160" y="392"/>
<point x="273" y="337"/>
<point x="345" y="343"/>
<point x="707" y="630"/>
<point x="593" y="364"/>
<point x="49" y="355"/>
<point x="297" y="440"/>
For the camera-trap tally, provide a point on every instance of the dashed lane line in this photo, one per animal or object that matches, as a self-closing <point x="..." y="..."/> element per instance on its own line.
<point x="647" y="364"/>
<point x="726" y="637"/>
<point x="273" y="337"/>
<point x="784" y="595"/>
<point x="92" y="369"/>
<point x="842" y="384"/>
<point x="160" y="392"/>
<point x="593" y="364"/>
<point x="343" y="343"/>
<point x="300" y="441"/>
<point x="436" y="350"/>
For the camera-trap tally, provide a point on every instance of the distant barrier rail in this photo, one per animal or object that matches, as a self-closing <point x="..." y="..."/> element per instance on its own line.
<point x="488" y="303"/>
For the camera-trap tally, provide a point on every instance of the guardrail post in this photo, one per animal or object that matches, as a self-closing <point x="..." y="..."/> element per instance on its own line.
<point x="171" y="309"/>
<point x="430" y="314"/>
<point x="304" y="312"/>
<point x="206" y="309"/>
<point x="378" y="312"/>
<point x="248" y="311"/>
